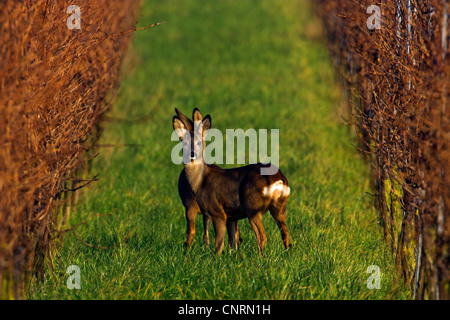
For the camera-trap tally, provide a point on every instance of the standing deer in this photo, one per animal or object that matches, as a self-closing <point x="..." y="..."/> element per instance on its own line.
<point x="187" y="197"/>
<point x="227" y="195"/>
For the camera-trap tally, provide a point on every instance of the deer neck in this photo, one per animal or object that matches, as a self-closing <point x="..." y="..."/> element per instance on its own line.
<point x="195" y="174"/>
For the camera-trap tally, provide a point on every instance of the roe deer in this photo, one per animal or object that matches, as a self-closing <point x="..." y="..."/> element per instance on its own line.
<point x="187" y="197"/>
<point x="227" y="195"/>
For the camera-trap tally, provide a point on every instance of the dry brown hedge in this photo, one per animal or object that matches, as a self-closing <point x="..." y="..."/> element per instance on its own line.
<point x="55" y="85"/>
<point x="399" y="79"/>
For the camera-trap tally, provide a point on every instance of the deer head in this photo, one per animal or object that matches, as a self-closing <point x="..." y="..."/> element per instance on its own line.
<point x="192" y="133"/>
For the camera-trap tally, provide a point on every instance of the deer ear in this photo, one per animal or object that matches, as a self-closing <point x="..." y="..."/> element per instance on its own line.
<point x="197" y="115"/>
<point x="187" y="122"/>
<point x="206" y="123"/>
<point x="179" y="127"/>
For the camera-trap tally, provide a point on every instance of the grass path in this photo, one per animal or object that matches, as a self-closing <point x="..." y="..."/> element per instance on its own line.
<point x="250" y="64"/>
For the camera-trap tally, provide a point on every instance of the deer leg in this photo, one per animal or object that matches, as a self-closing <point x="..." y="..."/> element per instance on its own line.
<point x="191" y="213"/>
<point x="256" y="223"/>
<point x="238" y="235"/>
<point x="206" y="223"/>
<point x="279" y="214"/>
<point x="219" y="228"/>
<point x="233" y="234"/>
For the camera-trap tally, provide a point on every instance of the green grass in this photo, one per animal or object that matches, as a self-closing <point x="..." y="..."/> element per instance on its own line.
<point x="249" y="64"/>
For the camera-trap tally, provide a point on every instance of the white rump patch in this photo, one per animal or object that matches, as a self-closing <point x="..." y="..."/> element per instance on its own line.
<point x="276" y="190"/>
